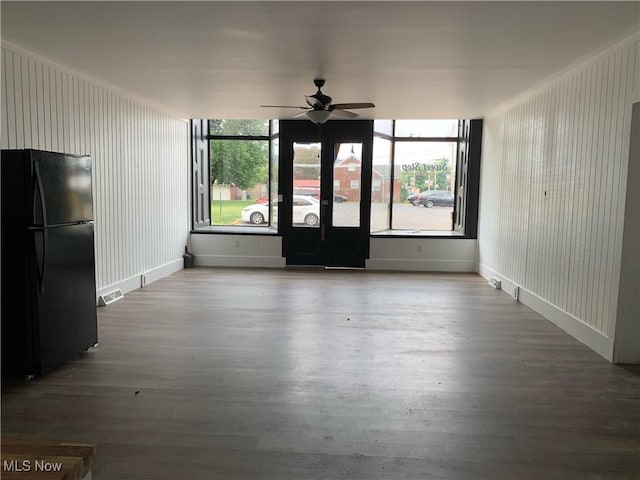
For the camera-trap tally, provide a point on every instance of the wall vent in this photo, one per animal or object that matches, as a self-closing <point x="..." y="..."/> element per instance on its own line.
<point x="106" y="299"/>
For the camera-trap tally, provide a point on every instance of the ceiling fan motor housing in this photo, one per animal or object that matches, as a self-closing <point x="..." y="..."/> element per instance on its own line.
<point x="319" y="100"/>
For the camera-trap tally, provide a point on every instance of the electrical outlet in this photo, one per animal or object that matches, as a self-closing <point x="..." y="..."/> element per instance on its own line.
<point x="237" y="243"/>
<point x="419" y="248"/>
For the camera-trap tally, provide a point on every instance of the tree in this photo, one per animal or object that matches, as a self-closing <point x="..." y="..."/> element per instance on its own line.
<point x="307" y="162"/>
<point x="243" y="163"/>
<point x="245" y="128"/>
<point x="442" y="171"/>
<point x="428" y="176"/>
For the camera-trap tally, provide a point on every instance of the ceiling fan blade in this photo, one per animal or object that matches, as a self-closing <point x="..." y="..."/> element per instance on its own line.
<point x="313" y="101"/>
<point x="350" y="106"/>
<point x="283" y="106"/>
<point x="343" y="114"/>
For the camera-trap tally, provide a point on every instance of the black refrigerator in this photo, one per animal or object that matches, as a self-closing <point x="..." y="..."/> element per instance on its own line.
<point x="48" y="261"/>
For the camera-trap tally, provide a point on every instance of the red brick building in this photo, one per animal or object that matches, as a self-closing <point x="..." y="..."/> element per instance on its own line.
<point x="347" y="181"/>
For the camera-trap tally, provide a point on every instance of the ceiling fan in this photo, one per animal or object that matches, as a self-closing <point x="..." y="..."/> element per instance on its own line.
<point x="320" y="108"/>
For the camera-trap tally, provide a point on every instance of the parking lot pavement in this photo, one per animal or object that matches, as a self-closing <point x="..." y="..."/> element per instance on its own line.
<point x="405" y="216"/>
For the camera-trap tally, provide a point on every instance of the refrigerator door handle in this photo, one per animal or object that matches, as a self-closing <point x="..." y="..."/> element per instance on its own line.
<point x="43" y="208"/>
<point x="38" y="185"/>
<point x="42" y="266"/>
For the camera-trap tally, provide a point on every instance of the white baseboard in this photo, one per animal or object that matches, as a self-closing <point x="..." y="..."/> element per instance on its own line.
<point x="133" y="283"/>
<point x="239" y="261"/>
<point x="392" y="264"/>
<point x="127" y="285"/>
<point x="157" y="273"/>
<point x="575" y="327"/>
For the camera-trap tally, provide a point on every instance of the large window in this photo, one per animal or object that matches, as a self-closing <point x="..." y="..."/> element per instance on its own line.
<point x="425" y="177"/>
<point x="414" y="176"/>
<point x="244" y="169"/>
<point x="426" y="174"/>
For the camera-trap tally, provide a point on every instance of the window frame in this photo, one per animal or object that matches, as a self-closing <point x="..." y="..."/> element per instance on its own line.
<point x="200" y="176"/>
<point x="207" y="137"/>
<point x="465" y="209"/>
<point x="469" y="140"/>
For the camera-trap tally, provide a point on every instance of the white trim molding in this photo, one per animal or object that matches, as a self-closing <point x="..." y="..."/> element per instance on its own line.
<point x="127" y="285"/>
<point x="575" y="327"/>
<point x="155" y="274"/>
<point x="144" y="279"/>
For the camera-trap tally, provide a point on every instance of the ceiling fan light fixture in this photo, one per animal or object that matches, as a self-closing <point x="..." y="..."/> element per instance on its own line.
<point x="318" y="116"/>
<point x="320" y="107"/>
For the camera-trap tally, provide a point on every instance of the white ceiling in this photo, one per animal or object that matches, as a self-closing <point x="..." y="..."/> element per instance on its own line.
<point x="412" y="59"/>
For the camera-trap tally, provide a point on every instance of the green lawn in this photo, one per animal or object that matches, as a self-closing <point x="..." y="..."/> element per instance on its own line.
<point x="228" y="212"/>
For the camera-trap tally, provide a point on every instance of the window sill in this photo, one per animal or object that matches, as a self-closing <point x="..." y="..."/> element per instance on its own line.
<point x="241" y="230"/>
<point x="418" y="233"/>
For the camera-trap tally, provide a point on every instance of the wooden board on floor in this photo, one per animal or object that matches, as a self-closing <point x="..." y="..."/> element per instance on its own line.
<point x="45" y="460"/>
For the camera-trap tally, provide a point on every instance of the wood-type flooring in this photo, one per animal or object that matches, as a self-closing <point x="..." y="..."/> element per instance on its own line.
<point x="313" y="374"/>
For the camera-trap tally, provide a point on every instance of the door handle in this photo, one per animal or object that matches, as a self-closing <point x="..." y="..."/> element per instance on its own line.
<point x="42" y="266"/>
<point x="43" y="208"/>
<point x="323" y="221"/>
<point x="43" y="205"/>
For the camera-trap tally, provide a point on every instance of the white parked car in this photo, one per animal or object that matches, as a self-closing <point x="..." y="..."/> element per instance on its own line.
<point x="305" y="210"/>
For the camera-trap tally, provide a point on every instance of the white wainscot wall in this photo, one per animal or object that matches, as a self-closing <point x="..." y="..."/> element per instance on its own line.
<point x="423" y="254"/>
<point x="140" y="162"/>
<point x="229" y="250"/>
<point x="408" y="254"/>
<point x="552" y="202"/>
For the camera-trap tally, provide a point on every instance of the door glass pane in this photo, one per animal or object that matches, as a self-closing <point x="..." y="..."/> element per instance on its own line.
<point x="347" y="172"/>
<point x="306" y="185"/>
<point x="381" y="185"/>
